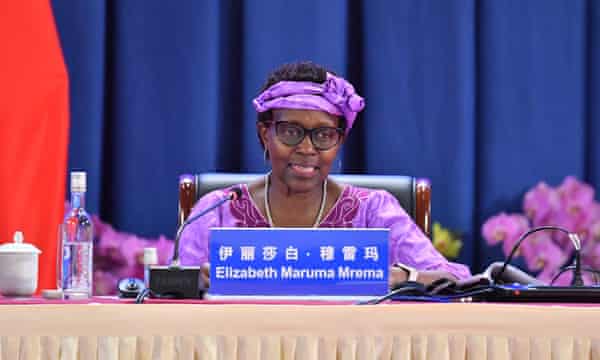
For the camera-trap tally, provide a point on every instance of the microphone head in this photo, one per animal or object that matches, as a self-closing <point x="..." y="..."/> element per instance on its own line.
<point x="235" y="193"/>
<point x="575" y="240"/>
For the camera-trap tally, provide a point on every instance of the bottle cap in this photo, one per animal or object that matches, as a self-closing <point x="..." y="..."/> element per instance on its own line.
<point x="78" y="181"/>
<point x="150" y="256"/>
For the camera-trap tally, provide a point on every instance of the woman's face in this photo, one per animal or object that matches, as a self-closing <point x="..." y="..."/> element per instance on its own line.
<point x="303" y="166"/>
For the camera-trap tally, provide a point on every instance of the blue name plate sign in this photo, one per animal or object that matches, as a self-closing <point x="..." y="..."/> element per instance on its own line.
<point x="298" y="262"/>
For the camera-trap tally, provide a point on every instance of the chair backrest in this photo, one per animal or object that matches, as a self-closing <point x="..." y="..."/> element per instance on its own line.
<point x="413" y="194"/>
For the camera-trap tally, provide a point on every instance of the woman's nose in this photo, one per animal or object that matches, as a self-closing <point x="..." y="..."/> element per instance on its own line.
<point x="306" y="146"/>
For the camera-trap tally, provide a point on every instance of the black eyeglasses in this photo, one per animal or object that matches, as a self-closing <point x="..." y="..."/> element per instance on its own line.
<point x="322" y="138"/>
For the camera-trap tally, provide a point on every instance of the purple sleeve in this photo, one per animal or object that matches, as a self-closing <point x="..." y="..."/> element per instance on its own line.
<point x="193" y="244"/>
<point x="408" y="244"/>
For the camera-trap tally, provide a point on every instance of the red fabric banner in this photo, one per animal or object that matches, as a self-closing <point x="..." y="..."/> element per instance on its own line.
<point x="34" y="124"/>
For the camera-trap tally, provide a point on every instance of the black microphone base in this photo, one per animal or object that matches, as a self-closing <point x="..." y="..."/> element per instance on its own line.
<point x="179" y="282"/>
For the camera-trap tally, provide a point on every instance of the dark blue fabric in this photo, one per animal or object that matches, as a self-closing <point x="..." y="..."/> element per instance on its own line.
<point x="484" y="98"/>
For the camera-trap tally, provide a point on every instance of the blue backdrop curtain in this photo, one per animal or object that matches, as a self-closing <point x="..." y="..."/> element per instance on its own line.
<point x="485" y="98"/>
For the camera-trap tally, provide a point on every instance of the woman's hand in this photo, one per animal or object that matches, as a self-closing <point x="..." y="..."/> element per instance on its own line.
<point x="399" y="275"/>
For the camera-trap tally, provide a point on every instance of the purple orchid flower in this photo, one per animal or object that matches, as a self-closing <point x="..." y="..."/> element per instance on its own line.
<point x="591" y="255"/>
<point x="504" y="228"/>
<point x="541" y="252"/>
<point x="105" y="283"/>
<point x="119" y="255"/>
<point x="594" y="234"/>
<point x="540" y="202"/>
<point x="571" y="206"/>
<point x="565" y="278"/>
<point x="575" y="195"/>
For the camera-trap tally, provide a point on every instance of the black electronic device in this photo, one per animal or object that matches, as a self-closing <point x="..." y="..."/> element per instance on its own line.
<point x="180" y="282"/>
<point x="513" y="285"/>
<point x="540" y="294"/>
<point x="130" y="287"/>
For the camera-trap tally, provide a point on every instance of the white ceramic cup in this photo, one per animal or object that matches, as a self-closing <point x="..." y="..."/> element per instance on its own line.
<point x="18" y="267"/>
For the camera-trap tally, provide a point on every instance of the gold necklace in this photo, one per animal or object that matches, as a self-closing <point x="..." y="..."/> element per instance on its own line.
<point x="321" y="209"/>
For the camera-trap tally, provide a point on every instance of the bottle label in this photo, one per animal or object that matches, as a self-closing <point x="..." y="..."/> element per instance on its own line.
<point x="66" y="265"/>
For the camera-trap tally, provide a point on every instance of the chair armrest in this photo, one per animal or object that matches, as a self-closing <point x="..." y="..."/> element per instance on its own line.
<point x="187" y="197"/>
<point x="423" y="206"/>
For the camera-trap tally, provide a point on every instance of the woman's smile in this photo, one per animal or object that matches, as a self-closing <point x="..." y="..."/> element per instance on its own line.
<point x="303" y="170"/>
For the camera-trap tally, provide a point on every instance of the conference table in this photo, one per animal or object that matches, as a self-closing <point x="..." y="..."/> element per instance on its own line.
<point x="110" y="328"/>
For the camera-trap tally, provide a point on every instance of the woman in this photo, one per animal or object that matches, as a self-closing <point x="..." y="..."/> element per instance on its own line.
<point x="304" y="115"/>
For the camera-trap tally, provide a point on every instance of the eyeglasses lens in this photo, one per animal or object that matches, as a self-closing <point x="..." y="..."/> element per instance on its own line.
<point x="323" y="138"/>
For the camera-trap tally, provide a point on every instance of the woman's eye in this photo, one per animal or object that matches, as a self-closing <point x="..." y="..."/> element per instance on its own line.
<point x="292" y="132"/>
<point x="324" y="135"/>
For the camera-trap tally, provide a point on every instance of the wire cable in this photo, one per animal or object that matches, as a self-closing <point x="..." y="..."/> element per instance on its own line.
<point x="572" y="267"/>
<point x="143" y="295"/>
<point x="418" y="289"/>
<point x="577" y="279"/>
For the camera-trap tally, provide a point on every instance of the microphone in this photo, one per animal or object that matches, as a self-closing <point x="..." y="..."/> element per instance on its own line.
<point x="510" y="274"/>
<point x="174" y="280"/>
<point x="233" y="195"/>
<point x="577" y="278"/>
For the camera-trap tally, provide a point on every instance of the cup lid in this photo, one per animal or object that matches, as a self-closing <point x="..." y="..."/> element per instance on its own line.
<point x="18" y="246"/>
<point x="150" y="256"/>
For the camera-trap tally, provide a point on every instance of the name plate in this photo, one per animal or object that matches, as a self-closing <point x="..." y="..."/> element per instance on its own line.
<point x="298" y="262"/>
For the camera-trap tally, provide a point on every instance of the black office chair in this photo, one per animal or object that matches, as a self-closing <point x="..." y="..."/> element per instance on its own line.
<point x="413" y="194"/>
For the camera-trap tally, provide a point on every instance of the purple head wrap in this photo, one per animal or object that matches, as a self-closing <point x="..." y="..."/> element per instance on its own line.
<point x="335" y="96"/>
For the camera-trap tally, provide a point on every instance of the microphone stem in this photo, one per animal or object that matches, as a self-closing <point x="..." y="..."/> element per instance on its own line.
<point x="175" y="260"/>
<point x="577" y="279"/>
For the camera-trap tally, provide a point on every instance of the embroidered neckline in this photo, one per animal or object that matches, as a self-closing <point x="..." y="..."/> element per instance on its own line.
<point x="344" y="193"/>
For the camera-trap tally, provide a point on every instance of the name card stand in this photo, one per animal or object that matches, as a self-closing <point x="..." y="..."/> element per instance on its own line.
<point x="298" y="262"/>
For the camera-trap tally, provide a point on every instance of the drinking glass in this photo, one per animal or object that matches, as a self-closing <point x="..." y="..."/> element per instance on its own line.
<point x="61" y="236"/>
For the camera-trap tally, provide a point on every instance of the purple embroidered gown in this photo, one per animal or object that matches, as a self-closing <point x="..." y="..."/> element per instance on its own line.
<point x="356" y="207"/>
